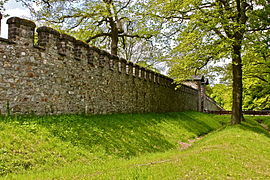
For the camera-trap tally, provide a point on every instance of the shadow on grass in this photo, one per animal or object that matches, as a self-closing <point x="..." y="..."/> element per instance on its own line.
<point x="125" y="135"/>
<point x="195" y="122"/>
<point x="252" y="124"/>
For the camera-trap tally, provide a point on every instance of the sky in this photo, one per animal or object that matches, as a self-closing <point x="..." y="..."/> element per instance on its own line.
<point x="13" y="8"/>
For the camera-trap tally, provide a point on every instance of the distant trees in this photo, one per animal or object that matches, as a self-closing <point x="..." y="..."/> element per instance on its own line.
<point x="256" y="71"/>
<point x="222" y="94"/>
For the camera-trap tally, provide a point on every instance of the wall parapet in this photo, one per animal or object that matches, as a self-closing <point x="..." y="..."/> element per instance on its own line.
<point x="20" y="21"/>
<point x="21" y="31"/>
<point x="51" y="39"/>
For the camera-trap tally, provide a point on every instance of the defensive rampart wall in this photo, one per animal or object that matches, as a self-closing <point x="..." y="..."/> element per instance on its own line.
<point x="62" y="75"/>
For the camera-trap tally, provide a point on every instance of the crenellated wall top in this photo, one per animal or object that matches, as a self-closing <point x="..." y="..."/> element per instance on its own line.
<point x="21" y="32"/>
<point x="20" y="21"/>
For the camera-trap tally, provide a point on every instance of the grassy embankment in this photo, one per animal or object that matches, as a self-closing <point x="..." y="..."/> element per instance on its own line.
<point x="133" y="146"/>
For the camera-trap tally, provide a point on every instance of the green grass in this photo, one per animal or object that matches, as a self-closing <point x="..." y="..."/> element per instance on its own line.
<point x="133" y="146"/>
<point x="261" y="119"/>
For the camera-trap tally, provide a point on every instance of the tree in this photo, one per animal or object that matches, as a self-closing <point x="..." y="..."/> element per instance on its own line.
<point x="213" y="30"/>
<point x="99" y="22"/>
<point x="256" y="75"/>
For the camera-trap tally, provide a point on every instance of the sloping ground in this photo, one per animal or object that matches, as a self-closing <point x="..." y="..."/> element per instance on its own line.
<point x="40" y="143"/>
<point x="145" y="148"/>
<point x="236" y="152"/>
<point x="263" y="120"/>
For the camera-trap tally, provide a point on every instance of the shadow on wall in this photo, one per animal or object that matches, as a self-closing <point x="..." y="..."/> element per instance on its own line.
<point x="126" y="135"/>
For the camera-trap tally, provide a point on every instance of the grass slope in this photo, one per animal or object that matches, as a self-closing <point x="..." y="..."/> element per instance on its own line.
<point x="40" y="143"/>
<point x="133" y="146"/>
<point x="235" y="152"/>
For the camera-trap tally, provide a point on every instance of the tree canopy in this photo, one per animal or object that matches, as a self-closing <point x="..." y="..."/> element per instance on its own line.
<point x="105" y="23"/>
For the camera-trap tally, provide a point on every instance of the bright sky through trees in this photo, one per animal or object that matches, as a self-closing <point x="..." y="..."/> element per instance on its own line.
<point x="13" y="8"/>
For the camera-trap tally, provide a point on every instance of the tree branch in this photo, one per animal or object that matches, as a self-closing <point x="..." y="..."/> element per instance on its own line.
<point x="219" y="33"/>
<point x="205" y="63"/>
<point x="201" y="6"/>
<point x="126" y="5"/>
<point x="78" y="23"/>
<point x="259" y="29"/>
<point x="120" y="35"/>
<point x="260" y="63"/>
<point x="171" y="17"/>
<point x="258" y="77"/>
<point x="47" y="3"/>
<point x="97" y="36"/>
<point x="135" y="36"/>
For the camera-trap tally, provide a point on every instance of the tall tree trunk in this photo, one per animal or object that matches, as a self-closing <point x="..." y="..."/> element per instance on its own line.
<point x="237" y="83"/>
<point x="241" y="19"/>
<point x="114" y="37"/>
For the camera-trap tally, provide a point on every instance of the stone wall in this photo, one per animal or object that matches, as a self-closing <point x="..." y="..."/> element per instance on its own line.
<point x="211" y="105"/>
<point x="62" y="75"/>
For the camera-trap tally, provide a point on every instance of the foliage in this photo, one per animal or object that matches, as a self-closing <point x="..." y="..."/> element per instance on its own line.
<point x="46" y="142"/>
<point x="147" y="66"/>
<point x="222" y="94"/>
<point x="234" y="152"/>
<point x="256" y="71"/>
<point x="256" y="95"/>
